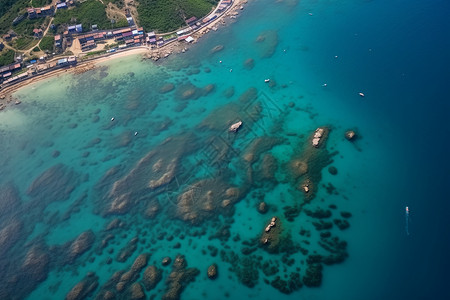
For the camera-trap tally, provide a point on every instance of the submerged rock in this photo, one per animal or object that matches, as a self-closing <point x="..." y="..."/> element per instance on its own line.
<point x="306" y="166"/>
<point x="229" y="92"/>
<point x="313" y="275"/>
<point x="249" y="95"/>
<point x="319" y="137"/>
<point x="341" y="224"/>
<point x="10" y="235"/>
<point x="271" y="236"/>
<point x="54" y="184"/>
<point x="9" y="200"/>
<point x="249" y="63"/>
<point x="168" y="87"/>
<point x="152" y="276"/>
<point x="188" y="91"/>
<point x="152" y="172"/>
<point x="80" y="245"/>
<point x="208" y="89"/>
<point x="166" y="261"/>
<point x="350" y="135"/>
<point x="212" y="271"/>
<point x="216" y="49"/>
<point x="205" y="199"/>
<point x="298" y="167"/>
<point x="262" y="207"/>
<point x="287" y="286"/>
<point x="152" y="209"/>
<point x="258" y="146"/>
<point x="267" y="43"/>
<point x="136" y="292"/>
<point x="269" y="166"/>
<point x="36" y="265"/>
<point x="247" y="110"/>
<point x="133" y="273"/>
<point x="332" y="170"/>
<point x="179" y="278"/>
<point x="127" y="250"/>
<point x="84" y="288"/>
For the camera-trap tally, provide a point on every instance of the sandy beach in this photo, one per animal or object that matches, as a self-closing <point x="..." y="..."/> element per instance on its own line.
<point x="6" y="94"/>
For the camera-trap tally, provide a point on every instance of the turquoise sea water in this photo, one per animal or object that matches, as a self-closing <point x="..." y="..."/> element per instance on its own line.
<point x="66" y="168"/>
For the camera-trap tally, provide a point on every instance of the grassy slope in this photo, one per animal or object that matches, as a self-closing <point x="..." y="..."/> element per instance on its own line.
<point x="6" y="57"/>
<point x="168" y="15"/>
<point x="10" y="9"/>
<point x="88" y="13"/>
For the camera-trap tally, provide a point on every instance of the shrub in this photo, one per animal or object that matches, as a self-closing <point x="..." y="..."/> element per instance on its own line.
<point x="169" y="15"/>
<point x="6" y="57"/>
<point x="47" y="43"/>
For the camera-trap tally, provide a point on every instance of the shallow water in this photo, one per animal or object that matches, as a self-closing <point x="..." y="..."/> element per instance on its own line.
<point x="96" y="170"/>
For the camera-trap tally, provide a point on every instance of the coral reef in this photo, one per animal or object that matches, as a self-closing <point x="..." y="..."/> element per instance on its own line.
<point x="127" y="250"/>
<point x="313" y="275"/>
<point x="332" y="170"/>
<point x="79" y="246"/>
<point x="243" y="109"/>
<point x="129" y="277"/>
<point x="271" y="237"/>
<point x="216" y="49"/>
<point x="153" y="171"/>
<point x="249" y="63"/>
<point x="10" y="235"/>
<point x="179" y="278"/>
<point x="152" y="276"/>
<point x="84" y="288"/>
<point x="287" y="286"/>
<point x="168" y="87"/>
<point x="258" y="146"/>
<point x="54" y="184"/>
<point x="262" y="207"/>
<point x="205" y="199"/>
<point x="267" y="42"/>
<point x="305" y="167"/>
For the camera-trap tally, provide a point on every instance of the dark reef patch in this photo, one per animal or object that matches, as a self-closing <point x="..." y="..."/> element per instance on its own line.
<point x="54" y="184"/>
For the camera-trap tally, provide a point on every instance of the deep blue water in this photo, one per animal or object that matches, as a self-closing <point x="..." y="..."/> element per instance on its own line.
<point x="396" y="52"/>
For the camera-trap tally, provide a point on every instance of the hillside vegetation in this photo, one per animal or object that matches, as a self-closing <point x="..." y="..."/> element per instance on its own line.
<point x="6" y="57"/>
<point x="169" y="15"/>
<point x="9" y="10"/>
<point x="87" y="13"/>
<point x="40" y="3"/>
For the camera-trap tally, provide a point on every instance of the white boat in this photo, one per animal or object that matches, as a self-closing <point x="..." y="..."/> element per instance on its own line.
<point x="266" y="80"/>
<point x="234" y="127"/>
<point x="361" y="94"/>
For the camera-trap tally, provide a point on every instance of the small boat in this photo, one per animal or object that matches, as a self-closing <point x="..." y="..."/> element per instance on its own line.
<point x="235" y="126"/>
<point x="266" y="80"/>
<point x="361" y="94"/>
<point x="407" y="210"/>
<point x="112" y="119"/>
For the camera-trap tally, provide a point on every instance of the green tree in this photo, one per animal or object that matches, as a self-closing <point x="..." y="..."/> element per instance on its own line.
<point x="87" y="13"/>
<point x="47" y="43"/>
<point x="6" y="57"/>
<point x="169" y="15"/>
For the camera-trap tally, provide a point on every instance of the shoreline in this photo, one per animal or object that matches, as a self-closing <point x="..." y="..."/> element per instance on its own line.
<point x="7" y="94"/>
